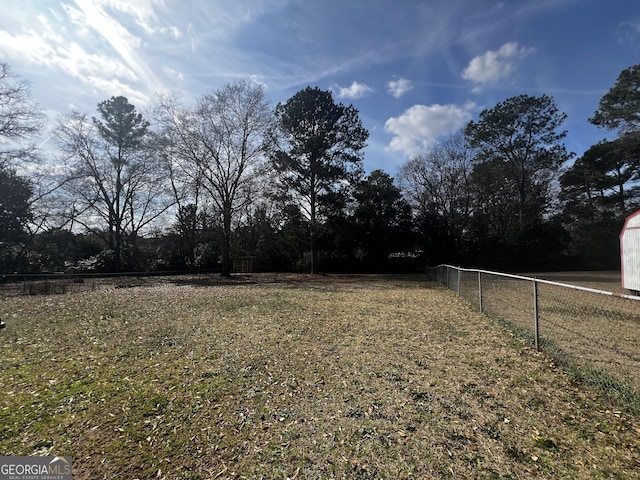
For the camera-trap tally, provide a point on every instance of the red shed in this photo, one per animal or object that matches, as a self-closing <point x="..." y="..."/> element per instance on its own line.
<point x="630" y="252"/>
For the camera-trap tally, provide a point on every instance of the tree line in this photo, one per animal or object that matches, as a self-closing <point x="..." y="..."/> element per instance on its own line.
<point x="191" y="187"/>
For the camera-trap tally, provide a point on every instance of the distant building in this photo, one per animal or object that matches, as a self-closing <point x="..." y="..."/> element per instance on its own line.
<point x="243" y="264"/>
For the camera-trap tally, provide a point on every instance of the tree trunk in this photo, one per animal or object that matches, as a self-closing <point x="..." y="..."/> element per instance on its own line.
<point x="226" y="242"/>
<point x="117" y="253"/>
<point x="314" y="250"/>
<point x="314" y="236"/>
<point x="118" y="214"/>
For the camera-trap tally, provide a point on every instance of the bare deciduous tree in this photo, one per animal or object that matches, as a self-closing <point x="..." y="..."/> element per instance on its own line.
<point x="437" y="184"/>
<point x="20" y="118"/>
<point x="220" y="145"/>
<point x="114" y="182"/>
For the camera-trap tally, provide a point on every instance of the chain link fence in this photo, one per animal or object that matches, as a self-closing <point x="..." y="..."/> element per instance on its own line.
<point x="594" y="330"/>
<point x="63" y="283"/>
<point x="46" y="284"/>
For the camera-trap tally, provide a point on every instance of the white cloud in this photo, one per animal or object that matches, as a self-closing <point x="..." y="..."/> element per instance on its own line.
<point x="48" y="46"/>
<point x="399" y="87"/>
<point x="141" y="10"/>
<point x="172" y="73"/>
<point x="422" y="125"/>
<point x="175" y="32"/>
<point x="49" y="49"/>
<point x="124" y="43"/>
<point x="75" y="16"/>
<point x="27" y="46"/>
<point x="356" y="90"/>
<point x="116" y="87"/>
<point x="494" y="65"/>
<point x="628" y="32"/>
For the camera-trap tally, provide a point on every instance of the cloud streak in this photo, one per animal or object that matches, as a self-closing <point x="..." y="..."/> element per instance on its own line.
<point x="125" y="44"/>
<point x="66" y="50"/>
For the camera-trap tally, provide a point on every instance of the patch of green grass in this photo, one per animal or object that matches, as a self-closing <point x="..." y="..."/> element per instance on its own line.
<point x="620" y="392"/>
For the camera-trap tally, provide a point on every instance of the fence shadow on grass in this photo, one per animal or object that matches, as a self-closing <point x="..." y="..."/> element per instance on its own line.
<point x="593" y="334"/>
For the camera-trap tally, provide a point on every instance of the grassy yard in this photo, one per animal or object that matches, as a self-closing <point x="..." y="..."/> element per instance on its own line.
<point x="295" y="377"/>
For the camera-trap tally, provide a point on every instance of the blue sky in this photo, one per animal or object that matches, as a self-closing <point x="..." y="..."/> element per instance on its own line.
<point x="415" y="70"/>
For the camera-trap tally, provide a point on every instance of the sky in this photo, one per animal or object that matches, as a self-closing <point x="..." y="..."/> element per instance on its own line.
<point x="416" y="70"/>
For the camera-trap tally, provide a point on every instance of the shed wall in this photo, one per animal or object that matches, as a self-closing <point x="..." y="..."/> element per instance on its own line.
<point x="630" y="252"/>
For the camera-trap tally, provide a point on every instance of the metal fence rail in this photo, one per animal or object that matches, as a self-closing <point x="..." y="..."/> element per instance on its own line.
<point x="61" y="283"/>
<point x="582" y="326"/>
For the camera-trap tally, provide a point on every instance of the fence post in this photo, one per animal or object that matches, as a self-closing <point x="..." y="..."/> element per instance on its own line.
<point x="480" y="289"/>
<point x="536" y="334"/>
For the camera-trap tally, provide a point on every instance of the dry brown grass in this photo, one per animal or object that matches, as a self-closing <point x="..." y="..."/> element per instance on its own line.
<point x="299" y="377"/>
<point x="608" y="281"/>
